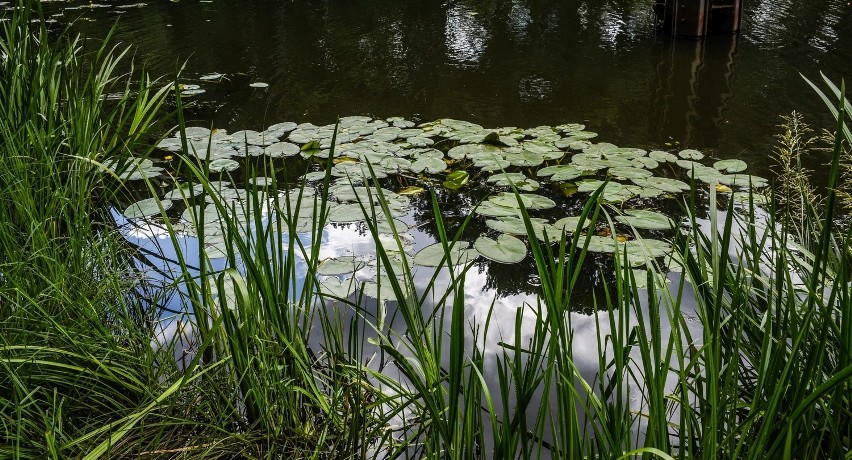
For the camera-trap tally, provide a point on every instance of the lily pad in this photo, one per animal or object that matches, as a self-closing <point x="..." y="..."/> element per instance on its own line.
<point x="419" y="141"/>
<point x="456" y="180"/>
<point x="569" y="224"/>
<point x="505" y="249"/>
<point x="337" y="287"/>
<point x="428" y="165"/>
<point x="605" y="244"/>
<point x="181" y="192"/>
<point x="281" y="149"/>
<point x="379" y="288"/>
<point x="560" y="173"/>
<point x="223" y="165"/>
<point x="690" y="154"/>
<point x="640" y="278"/>
<point x="513" y="225"/>
<point x="730" y="166"/>
<point x="592" y="161"/>
<point x="629" y="173"/>
<point x="518" y="179"/>
<point x="663" y="183"/>
<point x="260" y="181"/>
<point x="650" y="220"/>
<point x="431" y="255"/>
<point x="211" y="76"/>
<point x="645" y="162"/>
<point x="525" y="159"/>
<point x="340" y="266"/>
<point x="744" y="198"/>
<point x="146" y="208"/>
<point x="491" y="164"/>
<point x="612" y="192"/>
<point x="529" y="200"/>
<point x="471" y="151"/>
<point x="662" y="157"/>
<point x="490" y="209"/>
<point x="642" y="249"/>
<point x="744" y="180"/>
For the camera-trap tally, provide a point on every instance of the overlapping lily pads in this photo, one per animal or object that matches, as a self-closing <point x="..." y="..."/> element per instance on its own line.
<point x="408" y="159"/>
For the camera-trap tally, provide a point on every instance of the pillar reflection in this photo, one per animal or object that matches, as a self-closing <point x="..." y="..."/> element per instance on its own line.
<point x="690" y="89"/>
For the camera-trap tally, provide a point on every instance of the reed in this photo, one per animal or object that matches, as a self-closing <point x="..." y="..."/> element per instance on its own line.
<point x="746" y="354"/>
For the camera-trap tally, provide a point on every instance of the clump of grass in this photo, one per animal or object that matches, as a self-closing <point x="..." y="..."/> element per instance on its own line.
<point x="75" y="355"/>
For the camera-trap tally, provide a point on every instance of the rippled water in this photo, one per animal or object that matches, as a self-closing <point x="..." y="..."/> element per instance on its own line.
<point x="518" y="62"/>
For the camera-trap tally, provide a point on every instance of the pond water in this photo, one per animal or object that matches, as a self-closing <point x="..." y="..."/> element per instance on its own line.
<point x="497" y="63"/>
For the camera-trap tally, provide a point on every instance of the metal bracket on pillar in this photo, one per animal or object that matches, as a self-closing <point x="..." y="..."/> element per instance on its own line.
<point x="698" y="18"/>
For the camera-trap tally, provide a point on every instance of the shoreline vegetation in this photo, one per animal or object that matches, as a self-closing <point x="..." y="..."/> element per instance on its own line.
<point x="763" y="369"/>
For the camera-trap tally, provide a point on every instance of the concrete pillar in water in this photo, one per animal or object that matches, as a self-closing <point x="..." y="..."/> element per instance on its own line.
<point x="698" y="18"/>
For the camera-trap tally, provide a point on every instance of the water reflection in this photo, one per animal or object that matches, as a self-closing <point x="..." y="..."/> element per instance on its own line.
<point x="521" y="63"/>
<point x="465" y="35"/>
<point x="691" y="88"/>
<point x="511" y="318"/>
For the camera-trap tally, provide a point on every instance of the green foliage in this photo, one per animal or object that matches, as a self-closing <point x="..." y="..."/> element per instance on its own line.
<point x="747" y="355"/>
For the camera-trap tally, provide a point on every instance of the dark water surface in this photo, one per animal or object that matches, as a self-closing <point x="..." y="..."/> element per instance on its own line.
<point x="496" y="63"/>
<point x="511" y="63"/>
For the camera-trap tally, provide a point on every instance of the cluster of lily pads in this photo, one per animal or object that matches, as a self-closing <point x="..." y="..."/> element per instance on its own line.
<point x="449" y="153"/>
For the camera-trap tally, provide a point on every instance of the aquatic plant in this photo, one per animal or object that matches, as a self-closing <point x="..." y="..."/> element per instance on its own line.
<point x="278" y="351"/>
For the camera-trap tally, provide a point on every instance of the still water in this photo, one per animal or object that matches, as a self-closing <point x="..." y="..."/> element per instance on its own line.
<point x="511" y="63"/>
<point x="497" y="63"/>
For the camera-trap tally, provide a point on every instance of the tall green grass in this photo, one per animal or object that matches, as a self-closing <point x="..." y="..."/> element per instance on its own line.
<point x="74" y="355"/>
<point x="745" y="355"/>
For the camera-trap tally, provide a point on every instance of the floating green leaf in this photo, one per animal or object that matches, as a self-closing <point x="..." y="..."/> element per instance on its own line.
<point x="506" y="249"/>
<point x="513" y="225"/>
<point x="340" y="266"/>
<point x="662" y="157"/>
<point x="429" y="165"/>
<point x="431" y="256"/>
<point x="690" y="154"/>
<point x="529" y="200"/>
<point x="223" y="165"/>
<point x="730" y="166"/>
<point x="281" y="149"/>
<point x="744" y="180"/>
<point x="456" y="180"/>
<point x="629" y="173"/>
<point x="645" y="219"/>
<point x="337" y="287"/>
<point x="569" y="224"/>
<point x="146" y="208"/>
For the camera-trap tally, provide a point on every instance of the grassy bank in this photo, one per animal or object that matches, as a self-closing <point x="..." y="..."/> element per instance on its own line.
<point x="746" y="355"/>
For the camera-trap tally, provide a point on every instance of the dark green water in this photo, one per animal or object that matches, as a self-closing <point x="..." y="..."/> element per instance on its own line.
<point x="522" y="63"/>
